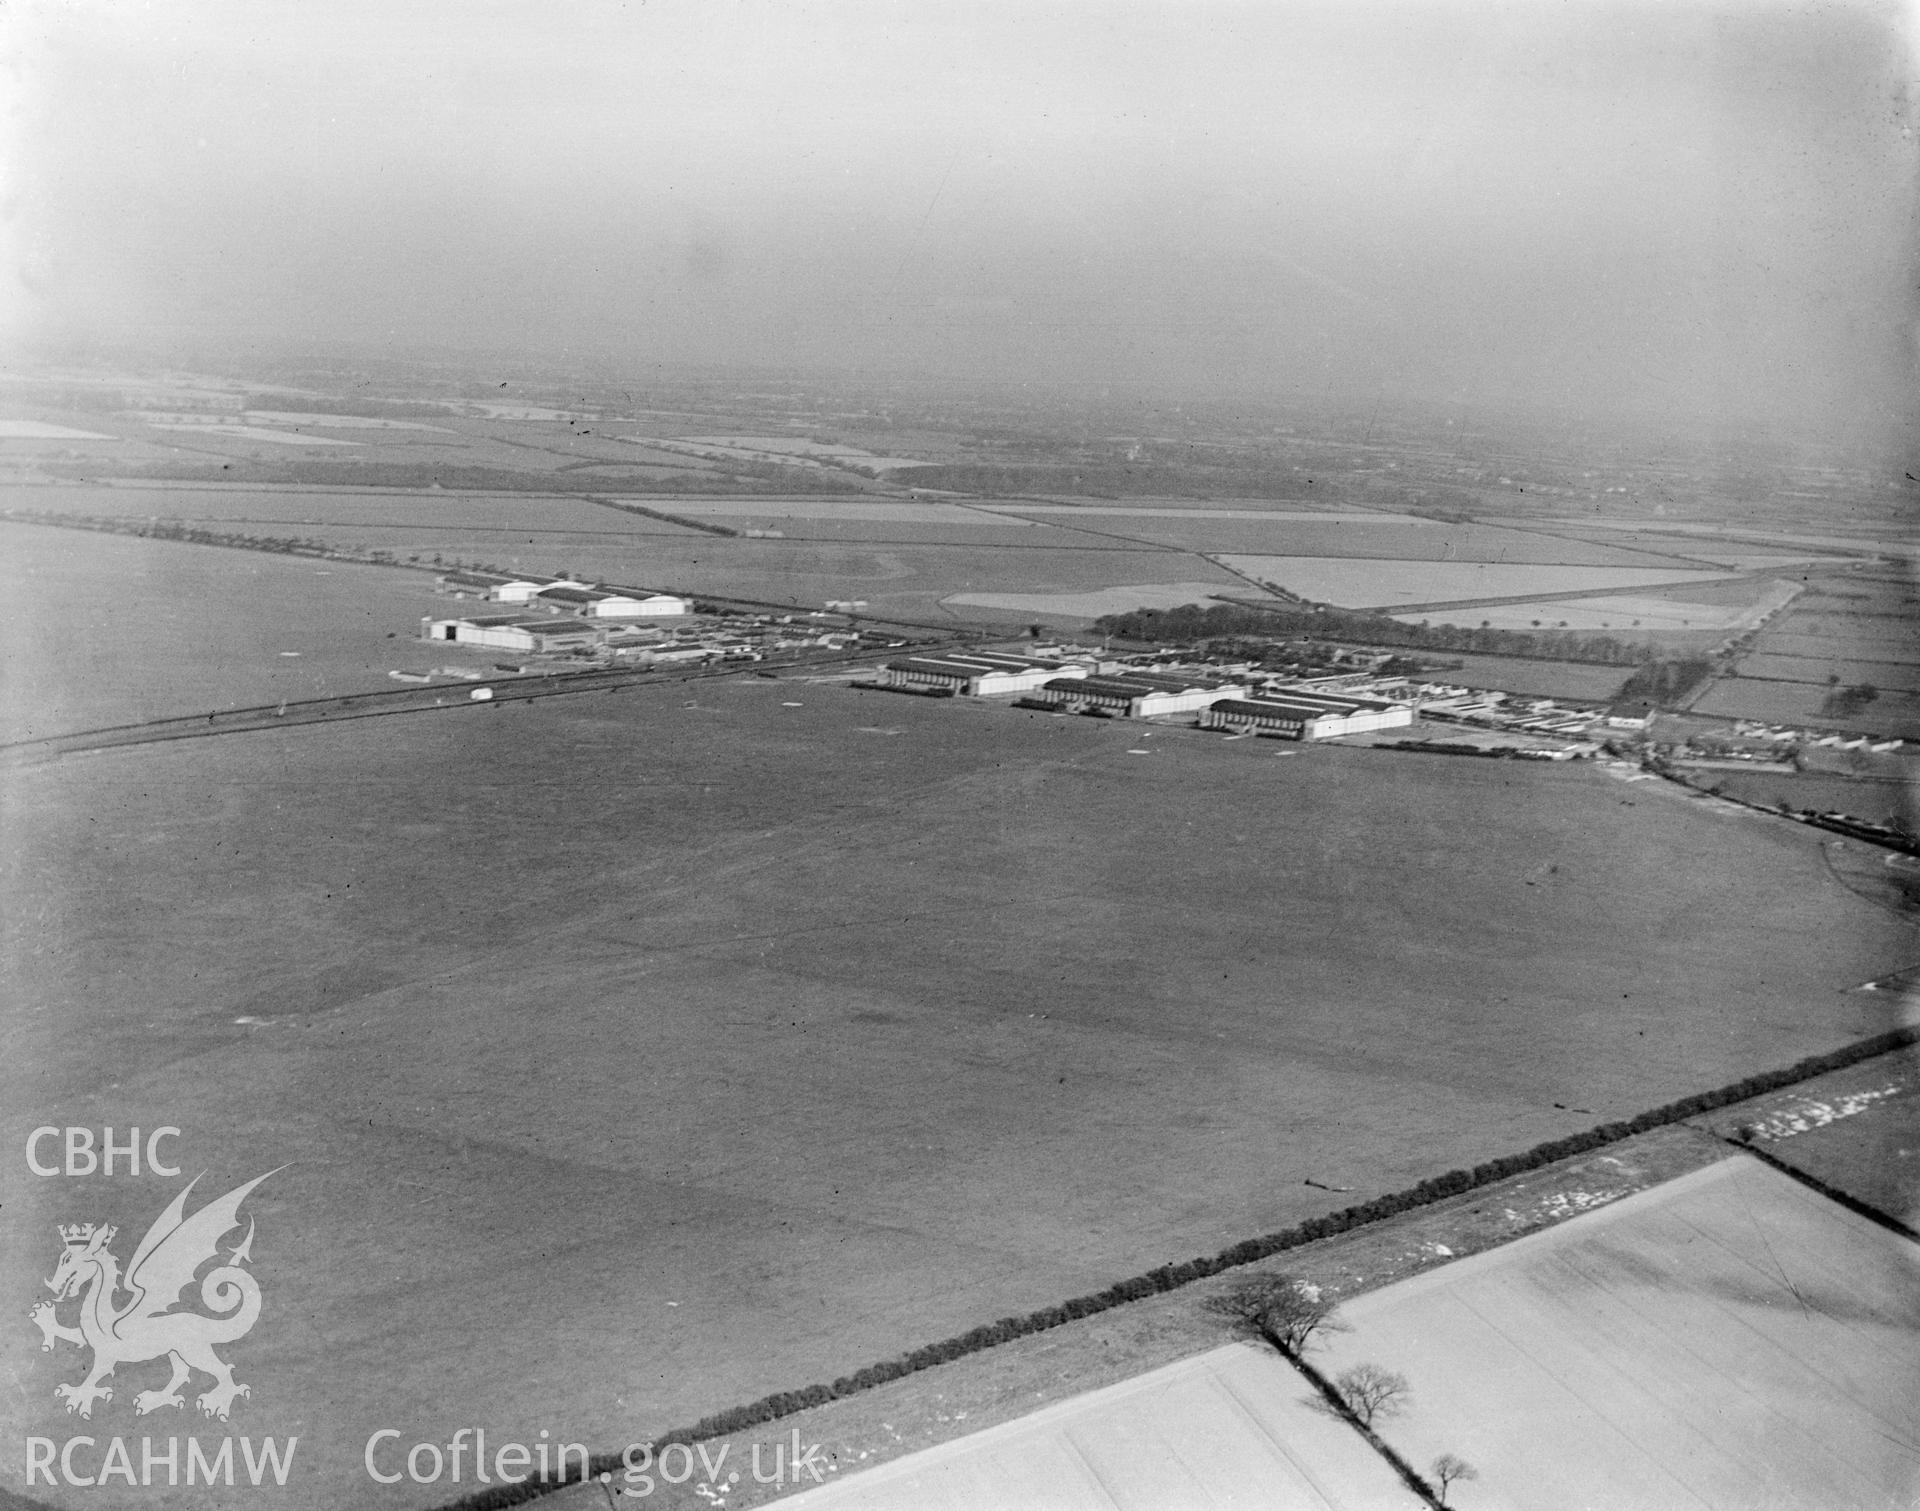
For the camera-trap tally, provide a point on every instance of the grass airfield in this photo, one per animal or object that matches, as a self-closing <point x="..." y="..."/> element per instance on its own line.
<point x="640" y="1053"/>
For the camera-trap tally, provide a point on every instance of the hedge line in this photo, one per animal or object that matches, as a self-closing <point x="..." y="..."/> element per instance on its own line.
<point x="1170" y="1277"/>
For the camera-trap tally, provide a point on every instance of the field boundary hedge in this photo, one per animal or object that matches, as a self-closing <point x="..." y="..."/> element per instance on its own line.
<point x="1832" y="1193"/>
<point x="1171" y="1277"/>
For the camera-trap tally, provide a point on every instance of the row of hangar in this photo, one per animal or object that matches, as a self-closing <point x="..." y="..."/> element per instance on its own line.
<point x="585" y="615"/>
<point x="1285" y="711"/>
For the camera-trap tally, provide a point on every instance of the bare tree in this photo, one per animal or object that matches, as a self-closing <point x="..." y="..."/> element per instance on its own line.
<point x="1371" y="1391"/>
<point x="1287" y="1312"/>
<point x="1448" y="1469"/>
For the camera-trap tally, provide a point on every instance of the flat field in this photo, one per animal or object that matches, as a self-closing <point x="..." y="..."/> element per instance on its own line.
<point x="1803" y="703"/>
<point x="1382" y="538"/>
<point x="1191" y="1436"/>
<point x="1629" y="616"/>
<point x="1879" y="799"/>
<point x="113" y="629"/>
<point x="1863" y="1138"/>
<point x="1535" y="679"/>
<point x="1355" y="583"/>
<point x="1728" y="1340"/>
<point x="708" y="1043"/>
<point x="429" y="514"/>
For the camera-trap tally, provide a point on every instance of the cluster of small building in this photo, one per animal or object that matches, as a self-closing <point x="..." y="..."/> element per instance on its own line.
<point x="564" y="617"/>
<point x="1069" y="680"/>
<point x="1774" y="734"/>
<point x="1489" y="709"/>
<point x="554" y="614"/>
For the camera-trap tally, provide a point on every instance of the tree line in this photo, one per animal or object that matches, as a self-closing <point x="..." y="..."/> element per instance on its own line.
<point x="1220" y="621"/>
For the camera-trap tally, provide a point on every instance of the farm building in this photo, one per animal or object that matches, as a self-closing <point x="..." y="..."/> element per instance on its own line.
<point x="978" y="674"/>
<point x="1137" y="695"/>
<point x="512" y="632"/>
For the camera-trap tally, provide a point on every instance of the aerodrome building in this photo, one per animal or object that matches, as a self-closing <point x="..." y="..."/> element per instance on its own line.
<point x="1134" y="695"/>
<point x="515" y="632"/>
<point x="1291" y="715"/>
<point x="977" y="674"/>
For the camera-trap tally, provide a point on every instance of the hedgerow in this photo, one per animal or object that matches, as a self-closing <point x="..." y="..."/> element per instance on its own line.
<point x="1170" y="1277"/>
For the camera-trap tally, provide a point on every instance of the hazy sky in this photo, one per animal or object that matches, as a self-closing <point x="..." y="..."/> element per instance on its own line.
<point x="1677" y="207"/>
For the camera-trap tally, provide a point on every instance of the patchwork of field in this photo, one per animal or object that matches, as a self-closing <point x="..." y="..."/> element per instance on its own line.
<point x="1860" y="628"/>
<point x="707" y="1042"/>
<point x="1361" y="584"/>
<point x="1730" y="1339"/>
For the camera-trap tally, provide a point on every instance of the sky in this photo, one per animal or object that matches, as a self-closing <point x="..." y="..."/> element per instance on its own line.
<point x="1677" y="208"/>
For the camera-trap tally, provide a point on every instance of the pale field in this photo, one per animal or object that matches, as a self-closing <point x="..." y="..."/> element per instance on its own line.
<point x="1616" y="613"/>
<point x="344" y="421"/>
<point x="774" y="509"/>
<point x="1728" y="1340"/>
<point x="39" y="430"/>
<point x="1201" y="511"/>
<point x="1354" y="583"/>
<point x="258" y="433"/>
<point x="782" y="446"/>
<point x="1738" y="536"/>
<point x="1234" y="1427"/>
<point x="1762" y="561"/>
<point x="1307" y="535"/>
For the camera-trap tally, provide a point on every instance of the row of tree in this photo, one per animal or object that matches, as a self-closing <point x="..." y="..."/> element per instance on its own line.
<point x="1192" y="623"/>
<point x="1667" y="682"/>
<point x="1289" y="1313"/>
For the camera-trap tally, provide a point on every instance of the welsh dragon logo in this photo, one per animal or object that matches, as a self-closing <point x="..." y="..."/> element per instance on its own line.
<point x="145" y="1327"/>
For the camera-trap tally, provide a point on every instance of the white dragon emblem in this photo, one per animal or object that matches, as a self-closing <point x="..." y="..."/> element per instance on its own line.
<point x="144" y="1327"/>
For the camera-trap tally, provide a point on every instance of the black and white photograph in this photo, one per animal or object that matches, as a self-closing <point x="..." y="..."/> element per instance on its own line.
<point x="887" y="755"/>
